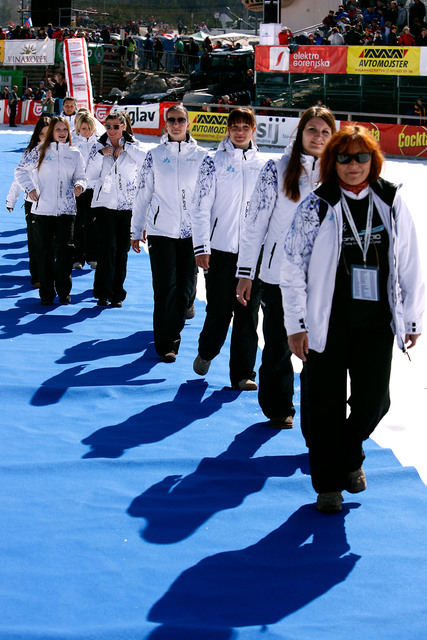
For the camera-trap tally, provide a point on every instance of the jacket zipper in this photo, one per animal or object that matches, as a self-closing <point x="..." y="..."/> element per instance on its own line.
<point x="213" y="229"/>
<point x="272" y="254"/>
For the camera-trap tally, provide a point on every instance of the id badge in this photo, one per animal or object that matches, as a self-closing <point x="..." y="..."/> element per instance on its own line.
<point x="108" y="181"/>
<point x="365" y="283"/>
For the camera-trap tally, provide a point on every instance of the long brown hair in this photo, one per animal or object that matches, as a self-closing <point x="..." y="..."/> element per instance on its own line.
<point x="41" y="123"/>
<point x="341" y="142"/>
<point x="294" y="169"/>
<point x="49" y="137"/>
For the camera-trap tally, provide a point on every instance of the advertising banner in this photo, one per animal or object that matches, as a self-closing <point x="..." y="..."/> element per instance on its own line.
<point x="392" y="61"/>
<point x="77" y="73"/>
<point x="95" y="52"/>
<point x="4" y="113"/>
<point x="306" y="59"/>
<point x="208" y="126"/>
<point x="275" y="131"/>
<point x="29" y="52"/>
<point x="1" y="51"/>
<point x="395" y="139"/>
<point x="31" y="111"/>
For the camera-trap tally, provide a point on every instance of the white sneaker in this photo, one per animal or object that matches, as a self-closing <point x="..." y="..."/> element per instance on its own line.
<point x="200" y="366"/>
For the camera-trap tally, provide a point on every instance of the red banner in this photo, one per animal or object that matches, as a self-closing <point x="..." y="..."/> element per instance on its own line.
<point x="306" y="59"/>
<point x="398" y="139"/>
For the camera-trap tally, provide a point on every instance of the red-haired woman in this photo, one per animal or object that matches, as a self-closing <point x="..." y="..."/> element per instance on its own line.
<point x="53" y="175"/>
<point x="351" y="280"/>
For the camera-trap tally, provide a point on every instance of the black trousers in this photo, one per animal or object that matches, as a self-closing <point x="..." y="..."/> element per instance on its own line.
<point x="85" y="231"/>
<point x="333" y="439"/>
<point x="32" y="253"/>
<point x="53" y="239"/>
<point x="276" y="374"/>
<point x="12" y="115"/>
<point x="114" y="243"/>
<point x="172" y="268"/>
<point x="222" y="305"/>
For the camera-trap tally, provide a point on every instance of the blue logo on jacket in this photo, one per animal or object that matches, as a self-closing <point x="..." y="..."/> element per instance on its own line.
<point x="166" y="160"/>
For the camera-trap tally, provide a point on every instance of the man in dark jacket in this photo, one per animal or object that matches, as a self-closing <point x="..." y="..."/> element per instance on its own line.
<point x="13" y="104"/>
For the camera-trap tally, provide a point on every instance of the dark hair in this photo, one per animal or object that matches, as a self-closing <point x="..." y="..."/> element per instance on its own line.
<point x="177" y="107"/>
<point x="341" y="142"/>
<point x="41" y="123"/>
<point x="241" y="114"/>
<point x="294" y="169"/>
<point x="49" y="137"/>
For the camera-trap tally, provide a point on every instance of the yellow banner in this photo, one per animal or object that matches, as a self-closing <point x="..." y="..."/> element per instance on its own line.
<point x="392" y="61"/>
<point x="1" y="51"/>
<point x="208" y="126"/>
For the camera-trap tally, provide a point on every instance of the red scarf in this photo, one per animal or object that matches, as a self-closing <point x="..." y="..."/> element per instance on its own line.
<point x="357" y="188"/>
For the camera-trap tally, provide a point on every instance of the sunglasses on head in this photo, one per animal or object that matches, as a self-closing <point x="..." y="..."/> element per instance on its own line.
<point x="170" y="120"/>
<point x="346" y="158"/>
<point x="113" y="126"/>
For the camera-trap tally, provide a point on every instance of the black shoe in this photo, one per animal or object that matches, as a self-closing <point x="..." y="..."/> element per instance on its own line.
<point x="116" y="303"/>
<point x="65" y="300"/>
<point x="102" y="303"/>
<point x="170" y="356"/>
<point x="191" y="312"/>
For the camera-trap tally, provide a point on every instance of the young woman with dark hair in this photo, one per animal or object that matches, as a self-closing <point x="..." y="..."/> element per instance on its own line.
<point x="224" y="187"/>
<point x="280" y="188"/>
<point x="53" y="175"/>
<point x="37" y="137"/>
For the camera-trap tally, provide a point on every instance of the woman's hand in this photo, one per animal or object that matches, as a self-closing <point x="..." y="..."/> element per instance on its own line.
<point x="243" y="291"/>
<point x="412" y="338"/>
<point x="33" y="195"/>
<point x="136" y="245"/>
<point x="118" y="151"/>
<point x="203" y="261"/>
<point x="77" y="190"/>
<point x="298" y="344"/>
<point x="107" y="151"/>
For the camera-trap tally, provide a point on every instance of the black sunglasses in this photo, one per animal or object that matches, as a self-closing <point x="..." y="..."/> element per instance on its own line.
<point x="346" y="158"/>
<point x="113" y="126"/>
<point x="178" y="120"/>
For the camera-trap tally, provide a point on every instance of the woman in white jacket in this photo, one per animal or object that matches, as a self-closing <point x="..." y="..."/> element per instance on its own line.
<point x="115" y="183"/>
<point x="85" y="232"/>
<point x="280" y="187"/>
<point x="37" y="137"/>
<point x="161" y="215"/>
<point x="351" y="279"/>
<point x="224" y="188"/>
<point x="53" y="175"/>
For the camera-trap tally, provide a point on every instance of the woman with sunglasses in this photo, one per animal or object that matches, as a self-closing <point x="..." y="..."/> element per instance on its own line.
<point x="350" y="280"/>
<point x="281" y="186"/>
<point x="39" y="133"/>
<point x="113" y="168"/>
<point x="53" y="175"/>
<point x="161" y="214"/>
<point x="224" y="188"/>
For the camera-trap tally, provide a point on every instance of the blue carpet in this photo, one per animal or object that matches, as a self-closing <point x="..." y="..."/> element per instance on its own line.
<point x="139" y="501"/>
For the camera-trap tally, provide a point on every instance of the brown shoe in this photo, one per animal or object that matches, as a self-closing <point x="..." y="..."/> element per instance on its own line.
<point x="246" y="385"/>
<point x="282" y="423"/>
<point x="329" y="502"/>
<point x="356" y="481"/>
<point x="168" y="357"/>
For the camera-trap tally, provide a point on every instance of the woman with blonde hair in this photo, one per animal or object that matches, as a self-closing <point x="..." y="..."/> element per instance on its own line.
<point x="161" y="215"/>
<point x="351" y="281"/>
<point x="280" y="188"/>
<point x="53" y="175"/>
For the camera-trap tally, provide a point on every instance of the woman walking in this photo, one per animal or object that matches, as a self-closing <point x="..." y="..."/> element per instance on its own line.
<point x="53" y="176"/>
<point x="37" y="137"/>
<point x="351" y="280"/>
<point x="161" y="215"/>
<point x="280" y="188"/>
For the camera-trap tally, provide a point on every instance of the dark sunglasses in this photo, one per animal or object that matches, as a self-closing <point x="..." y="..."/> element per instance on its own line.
<point x="112" y="126"/>
<point x="346" y="158"/>
<point x="178" y="120"/>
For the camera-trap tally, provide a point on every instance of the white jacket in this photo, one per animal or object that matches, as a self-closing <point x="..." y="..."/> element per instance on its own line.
<point x="122" y="173"/>
<point x="312" y="253"/>
<point x="85" y="146"/>
<point x="166" y="187"/>
<point x="224" y="187"/>
<point x="269" y="215"/>
<point x="15" y="187"/>
<point x="61" y="170"/>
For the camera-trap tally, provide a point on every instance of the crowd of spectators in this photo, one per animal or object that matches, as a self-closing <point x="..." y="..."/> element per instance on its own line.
<point x="371" y="22"/>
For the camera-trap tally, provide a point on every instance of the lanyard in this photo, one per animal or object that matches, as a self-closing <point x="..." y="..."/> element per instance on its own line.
<point x="370" y="214"/>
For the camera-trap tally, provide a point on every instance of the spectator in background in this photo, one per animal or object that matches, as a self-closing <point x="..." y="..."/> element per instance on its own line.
<point x="4" y="95"/>
<point x="285" y="35"/>
<point x="392" y="36"/>
<point x="207" y="45"/>
<point x="392" y="13"/>
<point x="48" y="103"/>
<point x="59" y="90"/>
<point x="329" y="21"/>
<point x="405" y="38"/>
<point x="416" y="10"/>
<point x="179" y="54"/>
<point x="418" y="110"/>
<point x="421" y="40"/>
<point x="2" y="34"/>
<point x="158" y="52"/>
<point x="148" y="47"/>
<point x="378" y="39"/>
<point x="13" y="105"/>
<point x="50" y="30"/>
<point x="335" y="37"/>
<point x="28" y="94"/>
<point x="416" y="28"/>
<point x="402" y="16"/>
<point x="193" y="54"/>
<point x="39" y="93"/>
<point x="105" y="34"/>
